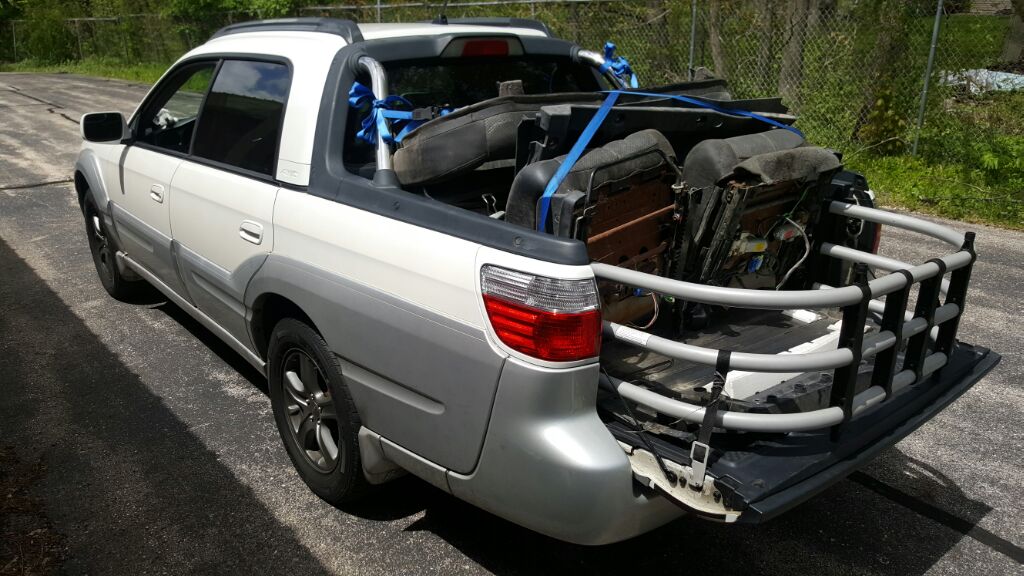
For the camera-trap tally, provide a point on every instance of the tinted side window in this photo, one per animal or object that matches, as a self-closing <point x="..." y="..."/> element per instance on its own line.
<point x="170" y="118"/>
<point x="240" y="123"/>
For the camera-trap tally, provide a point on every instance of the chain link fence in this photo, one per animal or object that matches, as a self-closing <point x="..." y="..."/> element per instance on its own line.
<point x="852" y="72"/>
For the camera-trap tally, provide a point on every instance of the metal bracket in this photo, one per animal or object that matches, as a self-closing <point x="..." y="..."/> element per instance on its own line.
<point x="699" y="455"/>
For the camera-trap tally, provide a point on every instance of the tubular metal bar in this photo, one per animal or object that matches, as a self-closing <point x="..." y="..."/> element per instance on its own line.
<point x="770" y="299"/>
<point x="910" y="223"/>
<point x="780" y="363"/>
<point x="379" y="85"/>
<point x="878" y="261"/>
<point x="597" y="60"/>
<point x="771" y="423"/>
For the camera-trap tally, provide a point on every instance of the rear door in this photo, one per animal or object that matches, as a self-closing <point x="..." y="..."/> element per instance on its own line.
<point x="221" y="216"/>
<point x="163" y="134"/>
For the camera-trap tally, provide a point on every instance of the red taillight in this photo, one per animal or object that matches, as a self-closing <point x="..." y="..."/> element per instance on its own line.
<point x="545" y="335"/>
<point x="547" y="318"/>
<point x="482" y="48"/>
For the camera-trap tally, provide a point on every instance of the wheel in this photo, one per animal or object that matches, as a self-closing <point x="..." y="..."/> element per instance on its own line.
<point x="314" y="412"/>
<point x="103" y="248"/>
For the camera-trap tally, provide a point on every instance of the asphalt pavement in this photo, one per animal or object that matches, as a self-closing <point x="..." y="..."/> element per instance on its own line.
<point x="159" y="453"/>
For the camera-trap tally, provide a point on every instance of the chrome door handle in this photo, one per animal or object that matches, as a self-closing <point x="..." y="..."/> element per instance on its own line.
<point x="156" y="192"/>
<point x="251" y="231"/>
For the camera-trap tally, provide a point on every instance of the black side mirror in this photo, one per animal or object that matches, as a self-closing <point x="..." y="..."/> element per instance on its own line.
<point x="104" y="127"/>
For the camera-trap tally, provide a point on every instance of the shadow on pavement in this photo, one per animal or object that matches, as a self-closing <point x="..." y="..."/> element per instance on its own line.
<point x="127" y="484"/>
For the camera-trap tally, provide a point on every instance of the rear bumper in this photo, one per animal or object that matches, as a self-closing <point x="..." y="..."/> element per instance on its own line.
<point x="550" y="464"/>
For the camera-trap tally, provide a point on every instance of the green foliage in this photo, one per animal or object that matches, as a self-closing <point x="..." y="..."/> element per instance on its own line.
<point x="885" y="127"/>
<point x="147" y="73"/>
<point x="46" y="35"/>
<point x="970" y="163"/>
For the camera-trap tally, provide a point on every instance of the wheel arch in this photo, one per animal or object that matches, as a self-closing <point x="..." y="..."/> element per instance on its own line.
<point x="268" y="309"/>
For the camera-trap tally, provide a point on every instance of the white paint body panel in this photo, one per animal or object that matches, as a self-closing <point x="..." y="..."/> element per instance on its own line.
<point x="427" y="268"/>
<point x="209" y="207"/>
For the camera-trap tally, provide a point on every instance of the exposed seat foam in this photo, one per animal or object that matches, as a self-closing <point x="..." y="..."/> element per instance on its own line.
<point x="470" y="136"/>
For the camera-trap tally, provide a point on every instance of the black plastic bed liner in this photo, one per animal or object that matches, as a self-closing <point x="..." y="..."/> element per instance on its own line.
<point x="766" y="474"/>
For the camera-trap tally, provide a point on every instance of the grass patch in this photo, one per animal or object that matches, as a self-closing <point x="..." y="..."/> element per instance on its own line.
<point x="949" y="189"/>
<point x="147" y="73"/>
<point x="970" y="164"/>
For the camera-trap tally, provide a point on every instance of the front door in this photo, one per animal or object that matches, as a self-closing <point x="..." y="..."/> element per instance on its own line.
<point x="163" y="134"/>
<point x="222" y="213"/>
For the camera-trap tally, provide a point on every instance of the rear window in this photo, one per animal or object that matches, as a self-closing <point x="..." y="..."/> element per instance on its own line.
<point x="456" y="82"/>
<point x="240" y="123"/>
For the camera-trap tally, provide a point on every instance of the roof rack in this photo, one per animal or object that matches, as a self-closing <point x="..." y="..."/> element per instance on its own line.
<point x="499" y="22"/>
<point x="347" y="29"/>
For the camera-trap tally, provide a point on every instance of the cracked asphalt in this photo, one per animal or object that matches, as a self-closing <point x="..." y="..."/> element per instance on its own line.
<point x="160" y="454"/>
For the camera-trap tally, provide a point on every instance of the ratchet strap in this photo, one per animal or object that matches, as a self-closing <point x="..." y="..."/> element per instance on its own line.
<point x="383" y="117"/>
<point x="599" y="117"/>
<point x="700" y="451"/>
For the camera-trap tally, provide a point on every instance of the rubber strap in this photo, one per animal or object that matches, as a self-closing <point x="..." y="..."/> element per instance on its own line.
<point x="711" y="410"/>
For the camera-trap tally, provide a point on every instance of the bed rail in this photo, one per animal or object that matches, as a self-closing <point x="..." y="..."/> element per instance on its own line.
<point x="929" y="330"/>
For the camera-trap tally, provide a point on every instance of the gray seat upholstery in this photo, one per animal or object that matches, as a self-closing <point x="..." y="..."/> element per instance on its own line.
<point x="469" y="137"/>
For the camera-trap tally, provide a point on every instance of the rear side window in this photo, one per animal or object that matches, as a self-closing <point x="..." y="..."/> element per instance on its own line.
<point x="240" y="123"/>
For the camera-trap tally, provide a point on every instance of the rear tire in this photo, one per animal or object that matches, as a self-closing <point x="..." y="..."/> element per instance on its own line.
<point x="314" y="413"/>
<point x="104" y="249"/>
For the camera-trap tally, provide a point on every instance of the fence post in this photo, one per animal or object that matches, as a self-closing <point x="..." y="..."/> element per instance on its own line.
<point x="378" y="11"/>
<point x="14" y="39"/>
<point x="78" y="35"/>
<point x="927" y="76"/>
<point x="693" y="37"/>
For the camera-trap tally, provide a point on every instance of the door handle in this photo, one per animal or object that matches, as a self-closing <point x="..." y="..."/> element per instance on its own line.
<point x="251" y="231"/>
<point x="156" y="192"/>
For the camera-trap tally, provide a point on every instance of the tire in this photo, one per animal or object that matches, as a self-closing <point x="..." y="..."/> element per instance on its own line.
<point x="314" y="413"/>
<point x="103" y="248"/>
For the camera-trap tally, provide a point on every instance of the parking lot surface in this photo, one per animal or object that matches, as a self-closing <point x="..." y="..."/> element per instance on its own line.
<point x="157" y="451"/>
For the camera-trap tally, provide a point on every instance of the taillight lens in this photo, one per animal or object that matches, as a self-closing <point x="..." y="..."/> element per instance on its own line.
<point x="547" y="318"/>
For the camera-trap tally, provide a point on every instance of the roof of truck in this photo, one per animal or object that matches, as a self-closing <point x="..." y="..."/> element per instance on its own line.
<point x="352" y="33"/>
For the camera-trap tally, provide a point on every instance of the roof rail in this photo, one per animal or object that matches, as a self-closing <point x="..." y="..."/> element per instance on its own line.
<point x="500" y="22"/>
<point x="347" y="29"/>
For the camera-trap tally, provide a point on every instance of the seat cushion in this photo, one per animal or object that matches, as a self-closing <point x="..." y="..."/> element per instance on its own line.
<point x="639" y="152"/>
<point x="468" y="137"/>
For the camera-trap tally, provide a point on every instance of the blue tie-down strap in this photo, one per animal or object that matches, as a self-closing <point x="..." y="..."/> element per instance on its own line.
<point x="602" y="112"/>
<point x="619" y="66"/>
<point x="383" y="118"/>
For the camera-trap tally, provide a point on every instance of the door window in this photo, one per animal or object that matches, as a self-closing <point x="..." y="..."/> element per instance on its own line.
<point x="170" y="118"/>
<point x="241" y="119"/>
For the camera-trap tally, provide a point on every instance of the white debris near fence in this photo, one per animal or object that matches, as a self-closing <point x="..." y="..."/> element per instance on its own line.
<point x="979" y="81"/>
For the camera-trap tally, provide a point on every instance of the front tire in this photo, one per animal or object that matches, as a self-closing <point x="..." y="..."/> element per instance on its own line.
<point x="314" y="413"/>
<point x="103" y="249"/>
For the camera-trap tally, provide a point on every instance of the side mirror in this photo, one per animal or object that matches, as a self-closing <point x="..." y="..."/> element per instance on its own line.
<point x="104" y="127"/>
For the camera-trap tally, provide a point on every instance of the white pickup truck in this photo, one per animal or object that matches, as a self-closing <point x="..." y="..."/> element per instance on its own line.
<point x="467" y="250"/>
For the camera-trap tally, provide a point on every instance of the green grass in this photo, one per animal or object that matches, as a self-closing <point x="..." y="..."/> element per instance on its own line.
<point x="147" y="73"/>
<point x="951" y="190"/>
<point x="970" y="163"/>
